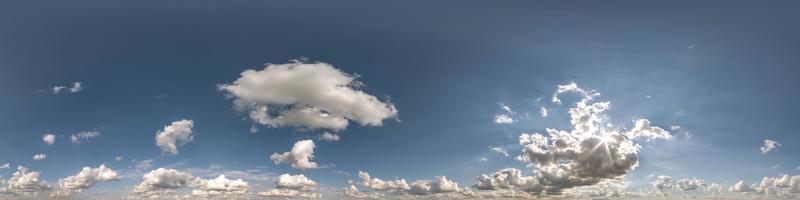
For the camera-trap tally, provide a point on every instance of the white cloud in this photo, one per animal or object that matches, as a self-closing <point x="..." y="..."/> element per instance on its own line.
<point x="177" y="134"/>
<point x="508" y="178"/>
<point x="76" y="87"/>
<point x="483" y="159"/>
<point x="330" y="137"/>
<point x="5" y="166"/>
<point x="687" y="184"/>
<point x="504" y="118"/>
<point x="57" y="89"/>
<point x="220" y="187"/>
<point x="76" y="138"/>
<point x="290" y="186"/>
<point x="299" y="157"/>
<point x="440" y="184"/>
<point x="381" y="185"/>
<point x="40" y="156"/>
<point x="87" y="178"/>
<point x="118" y="158"/>
<point x="500" y="150"/>
<point x="662" y="184"/>
<point x="163" y="181"/>
<point x="769" y="145"/>
<point x="543" y="111"/>
<point x="740" y="187"/>
<point x="49" y="139"/>
<point x="306" y="96"/>
<point x="590" y="153"/>
<point x="24" y="182"/>
<point x="295" y="182"/>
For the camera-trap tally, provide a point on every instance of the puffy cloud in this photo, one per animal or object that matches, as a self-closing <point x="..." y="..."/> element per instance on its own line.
<point x="508" y="178"/>
<point x="740" y="187"/>
<point x="306" y="96"/>
<point x="500" y="150"/>
<point x="76" y="138"/>
<point x="49" y="139"/>
<point x="177" y="134"/>
<point x="299" y="157"/>
<point x="40" y="156"/>
<point x="291" y="186"/>
<point x="87" y="178"/>
<point x="220" y="187"/>
<point x="381" y="185"/>
<point x="295" y="182"/>
<point x="592" y="152"/>
<point x="163" y="181"/>
<point x="769" y="145"/>
<point x="662" y="184"/>
<point x="24" y="182"/>
<point x="690" y="184"/>
<point x="330" y="137"/>
<point x="440" y="184"/>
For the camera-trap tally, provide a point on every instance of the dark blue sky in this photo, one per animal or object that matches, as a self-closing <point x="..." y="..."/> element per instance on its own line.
<point x="726" y="72"/>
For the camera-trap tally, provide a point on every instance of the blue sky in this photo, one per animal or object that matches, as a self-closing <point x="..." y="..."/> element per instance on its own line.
<point x="725" y="74"/>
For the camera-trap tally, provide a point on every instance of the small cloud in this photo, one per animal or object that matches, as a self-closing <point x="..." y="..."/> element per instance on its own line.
<point x="5" y="166"/>
<point x="483" y="159"/>
<point x="330" y="137"/>
<point x="76" y="87"/>
<point x="49" y="139"/>
<point x="543" y="111"/>
<point x="57" y="89"/>
<point x="118" y="158"/>
<point x="500" y="150"/>
<point x="769" y="145"/>
<point x="76" y="138"/>
<point x="503" y="119"/>
<point x="39" y="157"/>
<point x="160" y="96"/>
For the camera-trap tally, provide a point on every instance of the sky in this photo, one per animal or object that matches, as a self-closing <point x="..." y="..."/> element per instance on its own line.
<point x="412" y="99"/>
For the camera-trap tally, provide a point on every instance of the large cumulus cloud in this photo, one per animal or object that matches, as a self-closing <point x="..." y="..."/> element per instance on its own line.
<point x="306" y="96"/>
<point x="299" y="157"/>
<point x="593" y="151"/>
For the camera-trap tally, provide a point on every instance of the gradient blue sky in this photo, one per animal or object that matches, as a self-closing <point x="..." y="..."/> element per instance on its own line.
<point x="726" y="72"/>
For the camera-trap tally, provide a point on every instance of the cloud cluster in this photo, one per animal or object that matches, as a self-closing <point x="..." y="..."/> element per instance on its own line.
<point x="87" y="178"/>
<point x="505" y="117"/>
<point x="771" y="187"/>
<point x="49" y="139"/>
<point x="306" y="96"/>
<point x="592" y="152"/>
<point x="177" y="134"/>
<point x="439" y="185"/>
<point x="290" y="186"/>
<point x="299" y="157"/>
<point x="769" y="145"/>
<point x="24" y="182"/>
<point x="162" y="181"/>
<point x="76" y="138"/>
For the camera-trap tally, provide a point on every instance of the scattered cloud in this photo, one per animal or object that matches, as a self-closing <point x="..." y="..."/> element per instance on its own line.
<point x="76" y="138"/>
<point x="299" y="157"/>
<point x="177" y="134"/>
<point x="162" y="181"/>
<point x="440" y="184"/>
<point x="769" y="145"/>
<point x="220" y="187"/>
<point x="118" y="158"/>
<point x="662" y="184"/>
<point x="5" y="166"/>
<point x="543" y="111"/>
<point x="40" y="156"/>
<point x="49" y="139"/>
<point x="86" y="178"/>
<point x="306" y="96"/>
<point x="506" y="117"/>
<point x="483" y="159"/>
<point x="76" y="87"/>
<point x="330" y="137"/>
